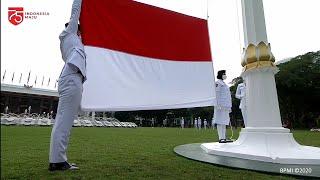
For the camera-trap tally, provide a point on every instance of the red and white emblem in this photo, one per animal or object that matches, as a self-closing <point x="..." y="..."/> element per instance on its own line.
<point x="15" y="15"/>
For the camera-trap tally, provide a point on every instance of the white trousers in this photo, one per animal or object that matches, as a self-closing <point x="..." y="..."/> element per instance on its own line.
<point x="221" y="131"/>
<point x="70" y="94"/>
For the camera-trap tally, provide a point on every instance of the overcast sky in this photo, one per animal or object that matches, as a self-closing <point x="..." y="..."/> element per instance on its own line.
<point x="292" y="28"/>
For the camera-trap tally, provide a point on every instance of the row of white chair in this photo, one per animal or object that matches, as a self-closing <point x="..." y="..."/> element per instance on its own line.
<point x="103" y="123"/>
<point x="80" y="122"/>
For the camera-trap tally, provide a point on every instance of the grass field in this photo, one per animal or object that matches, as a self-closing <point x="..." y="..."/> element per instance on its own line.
<point x="119" y="153"/>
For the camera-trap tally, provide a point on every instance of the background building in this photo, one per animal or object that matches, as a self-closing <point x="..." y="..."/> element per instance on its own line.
<point x="19" y="98"/>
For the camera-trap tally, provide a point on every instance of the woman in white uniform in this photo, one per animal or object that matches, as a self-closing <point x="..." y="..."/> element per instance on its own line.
<point x="222" y="107"/>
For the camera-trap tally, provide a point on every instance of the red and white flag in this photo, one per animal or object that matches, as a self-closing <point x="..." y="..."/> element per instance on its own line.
<point x="142" y="57"/>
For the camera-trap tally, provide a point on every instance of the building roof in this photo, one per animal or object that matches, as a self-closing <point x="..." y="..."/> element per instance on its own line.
<point x="28" y="90"/>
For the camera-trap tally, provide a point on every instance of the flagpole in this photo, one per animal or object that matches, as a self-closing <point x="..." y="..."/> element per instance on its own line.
<point x="207" y="9"/>
<point x="28" y="78"/>
<point x="213" y="76"/>
<point x="12" y="77"/>
<point x="4" y="74"/>
<point x="42" y="80"/>
<point x="35" y="81"/>
<point x="55" y="84"/>
<point x="20" y="78"/>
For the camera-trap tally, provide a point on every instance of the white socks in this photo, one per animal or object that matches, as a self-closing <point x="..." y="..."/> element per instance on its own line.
<point x="221" y="131"/>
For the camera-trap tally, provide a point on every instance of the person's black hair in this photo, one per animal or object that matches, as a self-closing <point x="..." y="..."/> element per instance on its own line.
<point x="66" y="25"/>
<point x="220" y="73"/>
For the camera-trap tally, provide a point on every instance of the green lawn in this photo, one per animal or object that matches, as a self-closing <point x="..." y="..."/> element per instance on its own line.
<point x="119" y="153"/>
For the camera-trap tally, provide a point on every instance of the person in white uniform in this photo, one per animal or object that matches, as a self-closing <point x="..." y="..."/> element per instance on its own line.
<point x="212" y="123"/>
<point x="241" y="94"/>
<point x="152" y="122"/>
<point x="199" y="123"/>
<point x="70" y="90"/>
<point x="205" y="124"/>
<point x="222" y="106"/>
<point x="195" y="123"/>
<point x="182" y="123"/>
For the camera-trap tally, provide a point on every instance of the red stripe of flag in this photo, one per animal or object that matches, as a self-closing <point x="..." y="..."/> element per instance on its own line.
<point x="145" y="30"/>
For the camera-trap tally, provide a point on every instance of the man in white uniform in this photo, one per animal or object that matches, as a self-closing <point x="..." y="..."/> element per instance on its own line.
<point x="182" y="123"/>
<point x="195" y="123"/>
<point x="241" y="94"/>
<point x="70" y="90"/>
<point x="223" y="106"/>
<point x="152" y="122"/>
<point x="212" y="123"/>
<point x="205" y="124"/>
<point x="164" y="122"/>
<point x="199" y="123"/>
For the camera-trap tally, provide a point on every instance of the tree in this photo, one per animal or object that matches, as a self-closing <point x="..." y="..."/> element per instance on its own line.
<point x="298" y="87"/>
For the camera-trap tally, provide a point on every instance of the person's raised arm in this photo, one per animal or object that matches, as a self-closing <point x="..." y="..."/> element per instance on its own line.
<point x="75" y="15"/>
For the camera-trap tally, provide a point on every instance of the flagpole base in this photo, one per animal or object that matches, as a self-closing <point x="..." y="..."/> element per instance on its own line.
<point x="274" y="145"/>
<point x="195" y="152"/>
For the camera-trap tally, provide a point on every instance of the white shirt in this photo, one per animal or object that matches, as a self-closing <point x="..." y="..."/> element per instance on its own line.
<point x="223" y="94"/>
<point x="241" y="94"/>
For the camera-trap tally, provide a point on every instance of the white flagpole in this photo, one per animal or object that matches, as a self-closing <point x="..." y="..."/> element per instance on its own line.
<point x="42" y="80"/>
<point x="55" y="84"/>
<point x="12" y="77"/>
<point x="28" y="77"/>
<point x="20" y="78"/>
<point x="4" y="74"/>
<point x="35" y="81"/>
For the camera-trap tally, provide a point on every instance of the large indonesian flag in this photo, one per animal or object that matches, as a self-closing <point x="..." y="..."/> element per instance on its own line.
<point x="142" y="57"/>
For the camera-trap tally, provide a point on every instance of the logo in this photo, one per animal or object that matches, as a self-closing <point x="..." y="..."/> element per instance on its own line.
<point x="15" y="15"/>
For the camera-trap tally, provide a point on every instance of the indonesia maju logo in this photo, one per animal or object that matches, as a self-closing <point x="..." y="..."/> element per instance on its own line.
<point x="15" y="15"/>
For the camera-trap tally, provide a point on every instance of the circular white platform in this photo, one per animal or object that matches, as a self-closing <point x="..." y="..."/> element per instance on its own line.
<point x="275" y="145"/>
<point x="195" y="152"/>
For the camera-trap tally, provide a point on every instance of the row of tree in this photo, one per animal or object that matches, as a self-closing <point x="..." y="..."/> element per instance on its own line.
<point x="298" y="86"/>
